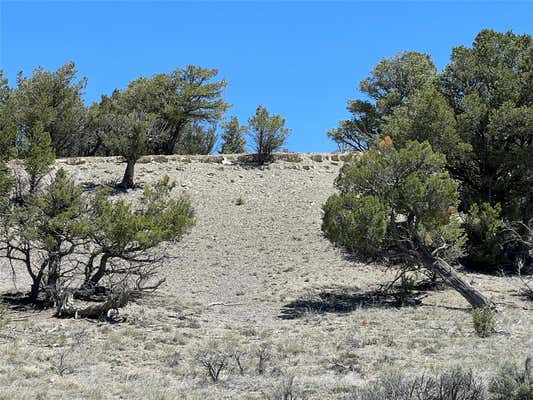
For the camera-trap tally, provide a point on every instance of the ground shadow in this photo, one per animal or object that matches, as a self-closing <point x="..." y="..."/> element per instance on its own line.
<point x="20" y="301"/>
<point x="342" y="302"/>
<point x="114" y="187"/>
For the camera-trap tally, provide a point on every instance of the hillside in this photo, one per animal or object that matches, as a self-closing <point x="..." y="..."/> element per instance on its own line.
<point x="255" y="273"/>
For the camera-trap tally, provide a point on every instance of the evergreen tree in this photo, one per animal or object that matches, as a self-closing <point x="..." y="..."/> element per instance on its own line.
<point x="400" y="205"/>
<point x="268" y="133"/>
<point x="233" y="140"/>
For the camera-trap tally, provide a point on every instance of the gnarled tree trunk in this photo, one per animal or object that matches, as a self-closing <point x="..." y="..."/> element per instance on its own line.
<point x="474" y="297"/>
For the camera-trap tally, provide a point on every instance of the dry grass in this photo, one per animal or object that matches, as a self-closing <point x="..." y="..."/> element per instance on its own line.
<point x="251" y="278"/>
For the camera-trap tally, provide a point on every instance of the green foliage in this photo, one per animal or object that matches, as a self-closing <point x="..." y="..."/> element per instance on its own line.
<point x="356" y="223"/>
<point x="391" y="201"/>
<point x="121" y="228"/>
<point x="61" y="234"/>
<point x="513" y="383"/>
<point x="197" y="139"/>
<point x="393" y="80"/>
<point x="390" y="83"/>
<point x="267" y="132"/>
<point x="130" y="133"/>
<point x="483" y="320"/>
<point x="360" y="131"/>
<point x="52" y="102"/>
<point x="478" y="112"/>
<point x="37" y="154"/>
<point x="233" y="141"/>
<point x="426" y="115"/>
<point x="486" y="238"/>
<point x="58" y="214"/>
<point x="489" y="86"/>
<point x="8" y="129"/>
<point x="179" y="99"/>
<point x="6" y="185"/>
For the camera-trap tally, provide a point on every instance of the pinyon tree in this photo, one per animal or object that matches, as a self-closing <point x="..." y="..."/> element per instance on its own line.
<point x="74" y="244"/>
<point x="267" y="132"/>
<point x="233" y="140"/>
<point x="197" y="139"/>
<point x="52" y="102"/>
<point x="399" y="205"/>
<point x="186" y="96"/>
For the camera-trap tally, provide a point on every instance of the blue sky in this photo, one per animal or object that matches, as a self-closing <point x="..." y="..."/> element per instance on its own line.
<point x="302" y="60"/>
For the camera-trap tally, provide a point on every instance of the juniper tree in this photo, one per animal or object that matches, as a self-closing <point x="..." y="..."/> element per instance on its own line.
<point x="489" y="87"/>
<point x="478" y="112"/>
<point x="233" y="140"/>
<point x="390" y="83"/>
<point x="425" y="115"/>
<point x="267" y="132"/>
<point x="399" y="205"/>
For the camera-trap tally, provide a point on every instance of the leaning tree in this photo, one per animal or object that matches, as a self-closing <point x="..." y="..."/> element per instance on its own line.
<point x="399" y="205"/>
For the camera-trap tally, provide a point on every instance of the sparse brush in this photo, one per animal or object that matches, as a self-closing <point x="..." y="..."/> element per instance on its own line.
<point x="526" y="289"/>
<point x="453" y="385"/>
<point x="213" y="360"/>
<point x="286" y="390"/>
<point x="513" y="383"/>
<point x="483" y="320"/>
<point x="264" y="355"/>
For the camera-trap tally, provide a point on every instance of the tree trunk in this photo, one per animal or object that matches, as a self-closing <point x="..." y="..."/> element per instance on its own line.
<point x="170" y="145"/>
<point x="67" y="309"/>
<point x="100" y="272"/>
<point x="127" y="181"/>
<point x="34" y="291"/>
<point x="54" y="272"/>
<point x="475" y="298"/>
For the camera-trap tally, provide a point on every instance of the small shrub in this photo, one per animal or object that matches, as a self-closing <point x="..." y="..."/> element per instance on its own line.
<point x="264" y="355"/>
<point x="286" y="390"/>
<point x="452" y="385"/>
<point x="484" y="323"/>
<point x="513" y="383"/>
<point x="213" y="360"/>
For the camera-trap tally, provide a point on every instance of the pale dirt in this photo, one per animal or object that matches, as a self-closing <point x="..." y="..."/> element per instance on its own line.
<point x="231" y="286"/>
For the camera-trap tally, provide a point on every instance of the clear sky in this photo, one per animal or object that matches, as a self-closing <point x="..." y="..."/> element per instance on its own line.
<point x="302" y="60"/>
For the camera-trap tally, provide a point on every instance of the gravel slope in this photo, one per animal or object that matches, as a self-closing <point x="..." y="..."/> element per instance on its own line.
<point x="250" y="275"/>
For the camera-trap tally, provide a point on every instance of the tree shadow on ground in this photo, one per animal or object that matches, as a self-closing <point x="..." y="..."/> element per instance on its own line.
<point x="343" y="302"/>
<point x="114" y="187"/>
<point x="20" y="301"/>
